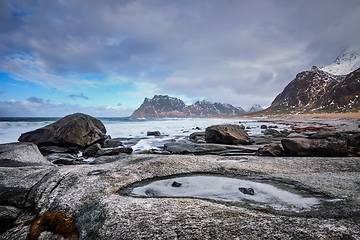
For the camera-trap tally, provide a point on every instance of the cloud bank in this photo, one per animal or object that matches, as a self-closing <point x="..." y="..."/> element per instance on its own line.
<point x="240" y="52"/>
<point x="36" y="107"/>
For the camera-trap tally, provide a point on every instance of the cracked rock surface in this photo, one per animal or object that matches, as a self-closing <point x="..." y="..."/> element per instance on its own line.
<point x="90" y="195"/>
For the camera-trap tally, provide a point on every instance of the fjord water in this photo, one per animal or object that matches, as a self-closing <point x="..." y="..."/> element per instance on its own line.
<point x="11" y="128"/>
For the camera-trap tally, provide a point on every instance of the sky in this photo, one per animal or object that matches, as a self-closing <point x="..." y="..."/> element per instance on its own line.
<point x="104" y="57"/>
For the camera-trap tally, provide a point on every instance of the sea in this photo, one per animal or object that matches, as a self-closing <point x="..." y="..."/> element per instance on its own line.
<point x="171" y="129"/>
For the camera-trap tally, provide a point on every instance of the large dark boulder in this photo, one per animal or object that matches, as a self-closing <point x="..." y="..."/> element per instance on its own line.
<point x="21" y="155"/>
<point x="73" y="130"/>
<point x="305" y="147"/>
<point x="227" y="134"/>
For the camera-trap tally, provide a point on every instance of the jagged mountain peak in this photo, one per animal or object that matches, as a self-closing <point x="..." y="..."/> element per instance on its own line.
<point x="255" y="108"/>
<point x="347" y="62"/>
<point x="165" y="106"/>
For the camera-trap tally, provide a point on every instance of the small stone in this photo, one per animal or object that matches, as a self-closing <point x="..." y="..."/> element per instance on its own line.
<point x="176" y="184"/>
<point x="153" y="133"/>
<point x="109" y="143"/>
<point x="248" y="191"/>
<point x="263" y="127"/>
<point x="185" y="151"/>
<point x="90" y="151"/>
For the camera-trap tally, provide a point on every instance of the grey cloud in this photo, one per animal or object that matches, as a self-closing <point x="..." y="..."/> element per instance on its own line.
<point x="2" y="92"/>
<point x="74" y="96"/>
<point x="119" y="104"/>
<point x="248" y="49"/>
<point x="35" y="100"/>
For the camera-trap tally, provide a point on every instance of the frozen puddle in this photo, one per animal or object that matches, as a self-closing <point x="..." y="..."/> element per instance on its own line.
<point x="259" y="195"/>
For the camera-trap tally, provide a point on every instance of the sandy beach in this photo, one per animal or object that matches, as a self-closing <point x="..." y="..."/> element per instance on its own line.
<point x="336" y="122"/>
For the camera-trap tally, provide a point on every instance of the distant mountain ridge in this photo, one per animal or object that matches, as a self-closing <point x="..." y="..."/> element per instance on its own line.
<point x="165" y="106"/>
<point x="255" y="108"/>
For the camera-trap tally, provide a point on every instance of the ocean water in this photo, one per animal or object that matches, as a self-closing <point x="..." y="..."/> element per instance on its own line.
<point x="170" y="128"/>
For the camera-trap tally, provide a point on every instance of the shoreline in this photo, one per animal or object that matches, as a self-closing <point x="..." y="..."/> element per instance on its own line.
<point x="334" y="122"/>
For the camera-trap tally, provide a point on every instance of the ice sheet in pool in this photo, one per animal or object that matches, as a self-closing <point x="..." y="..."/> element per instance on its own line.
<point x="227" y="189"/>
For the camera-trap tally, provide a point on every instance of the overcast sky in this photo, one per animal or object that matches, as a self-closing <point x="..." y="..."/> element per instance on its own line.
<point x="104" y="57"/>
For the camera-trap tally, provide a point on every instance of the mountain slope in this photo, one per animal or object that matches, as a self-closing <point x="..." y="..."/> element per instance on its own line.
<point x="317" y="91"/>
<point x="165" y="106"/>
<point x="160" y="106"/>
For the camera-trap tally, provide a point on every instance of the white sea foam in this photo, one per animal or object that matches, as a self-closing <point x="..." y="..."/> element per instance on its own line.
<point x="173" y="128"/>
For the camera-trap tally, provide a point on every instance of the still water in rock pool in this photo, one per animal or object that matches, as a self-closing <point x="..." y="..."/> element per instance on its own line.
<point x="229" y="190"/>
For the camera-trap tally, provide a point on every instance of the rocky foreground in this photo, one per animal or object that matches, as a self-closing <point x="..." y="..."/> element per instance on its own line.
<point x="43" y="200"/>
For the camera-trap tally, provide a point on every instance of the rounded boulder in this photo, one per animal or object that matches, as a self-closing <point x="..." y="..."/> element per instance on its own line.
<point x="77" y="129"/>
<point x="227" y="134"/>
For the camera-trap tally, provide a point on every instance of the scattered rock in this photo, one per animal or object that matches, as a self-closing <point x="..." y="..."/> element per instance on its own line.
<point x="109" y="143"/>
<point x="273" y="126"/>
<point x="272" y="150"/>
<point x="46" y="150"/>
<point x="176" y="184"/>
<point x="61" y="158"/>
<point x="227" y="134"/>
<point x="21" y="155"/>
<point x="114" y="151"/>
<point x="197" y="134"/>
<point x="248" y="191"/>
<point x="72" y="130"/>
<point x="274" y="133"/>
<point x="90" y="151"/>
<point x="153" y="133"/>
<point x="263" y="127"/>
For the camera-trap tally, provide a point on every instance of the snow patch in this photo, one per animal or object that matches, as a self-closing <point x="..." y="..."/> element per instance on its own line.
<point x="346" y="63"/>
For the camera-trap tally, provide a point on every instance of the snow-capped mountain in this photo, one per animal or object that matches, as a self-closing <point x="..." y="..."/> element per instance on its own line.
<point x="346" y="63"/>
<point x="255" y="108"/>
<point x="165" y="106"/>
<point x="317" y="91"/>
